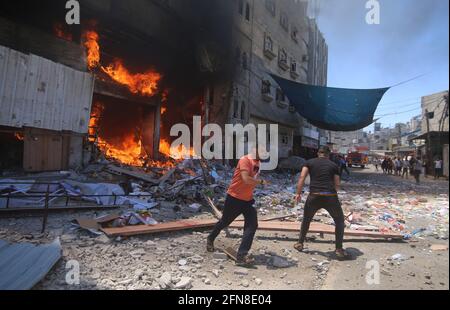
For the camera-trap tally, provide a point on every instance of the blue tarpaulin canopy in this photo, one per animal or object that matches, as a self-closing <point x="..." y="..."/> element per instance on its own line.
<point x="336" y="109"/>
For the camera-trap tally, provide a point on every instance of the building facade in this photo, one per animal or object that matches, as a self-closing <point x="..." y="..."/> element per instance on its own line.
<point x="277" y="37"/>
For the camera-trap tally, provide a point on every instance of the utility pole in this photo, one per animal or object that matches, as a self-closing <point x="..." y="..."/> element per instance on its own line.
<point x="429" y="155"/>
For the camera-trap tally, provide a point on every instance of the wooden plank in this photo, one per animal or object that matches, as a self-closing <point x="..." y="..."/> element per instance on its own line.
<point x="137" y="175"/>
<point x="264" y="226"/>
<point x="163" y="227"/>
<point x="316" y="228"/>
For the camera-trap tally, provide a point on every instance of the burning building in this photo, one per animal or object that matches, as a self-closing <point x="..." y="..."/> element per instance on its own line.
<point x="112" y="86"/>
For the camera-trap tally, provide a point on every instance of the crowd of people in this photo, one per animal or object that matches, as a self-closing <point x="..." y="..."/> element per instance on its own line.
<point x="411" y="165"/>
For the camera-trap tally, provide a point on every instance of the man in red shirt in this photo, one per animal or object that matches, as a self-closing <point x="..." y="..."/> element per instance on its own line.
<point x="240" y="201"/>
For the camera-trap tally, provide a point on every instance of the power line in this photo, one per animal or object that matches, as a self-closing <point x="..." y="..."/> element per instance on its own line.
<point x="397" y="113"/>
<point x="396" y="107"/>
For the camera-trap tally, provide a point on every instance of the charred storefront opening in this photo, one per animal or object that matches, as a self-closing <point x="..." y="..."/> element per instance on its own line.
<point x="134" y="71"/>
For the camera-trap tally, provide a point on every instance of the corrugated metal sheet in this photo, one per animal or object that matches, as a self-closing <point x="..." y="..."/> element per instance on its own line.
<point x="36" y="92"/>
<point x="23" y="265"/>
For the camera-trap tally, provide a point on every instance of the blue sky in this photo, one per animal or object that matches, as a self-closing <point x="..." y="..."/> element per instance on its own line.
<point x="411" y="40"/>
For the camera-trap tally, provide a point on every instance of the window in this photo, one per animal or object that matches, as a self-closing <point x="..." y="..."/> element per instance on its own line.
<point x="247" y="11"/>
<point x="293" y="65"/>
<point x="280" y="95"/>
<point x="266" y="87"/>
<point x="282" y="58"/>
<point x="241" y="7"/>
<point x="284" y="21"/>
<point x="244" y="61"/>
<point x="268" y="43"/>
<point x="271" y="7"/>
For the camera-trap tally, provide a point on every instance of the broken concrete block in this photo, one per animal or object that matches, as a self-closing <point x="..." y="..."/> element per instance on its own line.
<point x="165" y="281"/>
<point x="241" y="271"/>
<point x="184" y="283"/>
<point x="215" y="272"/>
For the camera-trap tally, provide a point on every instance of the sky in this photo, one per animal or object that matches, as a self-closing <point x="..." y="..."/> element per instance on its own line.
<point x="411" y="40"/>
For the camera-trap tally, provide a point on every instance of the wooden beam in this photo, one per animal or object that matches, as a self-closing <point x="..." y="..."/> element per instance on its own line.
<point x="159" y="228"/>
<point x="137" y="175"/>
<point x="264" y="226"/>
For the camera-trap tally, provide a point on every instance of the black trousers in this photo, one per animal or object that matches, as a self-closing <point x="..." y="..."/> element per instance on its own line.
<point x="233" y="208"/>
<point x="330" y="203"/>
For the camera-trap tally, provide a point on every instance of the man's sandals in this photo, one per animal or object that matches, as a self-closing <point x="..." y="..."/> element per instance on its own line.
<point x="245" y="261"/>
<point x="340" y="254"/>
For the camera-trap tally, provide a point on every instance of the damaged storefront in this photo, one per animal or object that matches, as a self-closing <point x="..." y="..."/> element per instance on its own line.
<point x="112" y="87"/>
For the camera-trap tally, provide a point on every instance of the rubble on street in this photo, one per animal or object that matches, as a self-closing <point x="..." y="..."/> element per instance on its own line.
<point x="189" y="190"/>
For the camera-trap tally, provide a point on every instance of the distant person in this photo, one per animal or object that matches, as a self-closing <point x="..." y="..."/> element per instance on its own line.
<point x="384" y="165"/>
<point x="418" y="166"/>
<point x="390" y="166"/>
<point x="406" y="167"/>
<point x="398" y="167"/>
<point x="425" y="166"/>
<point x="438" y="164"/>
<point x="324" y="187"/>
<point x="377" y="163"/>
<point x="343" y="166"/>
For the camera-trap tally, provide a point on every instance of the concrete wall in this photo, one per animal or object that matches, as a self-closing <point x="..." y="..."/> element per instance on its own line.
<point x="436" y="103"/>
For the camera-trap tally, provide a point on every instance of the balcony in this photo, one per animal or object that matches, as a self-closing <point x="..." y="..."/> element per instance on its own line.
<point x="283" y="64"/>
<point x="267" y="97"/>
<point x="269" y="54"/>
<point x="294" y="74"/>
<point x="282" y="104"/>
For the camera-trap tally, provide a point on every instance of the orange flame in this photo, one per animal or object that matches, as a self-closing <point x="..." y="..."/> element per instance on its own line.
<point x="143" y="83"/>
<point x="61" y="33"/>
<point x="19" y="136"/>
<point x="93" y="49"/>
<point x="177" y="154"/>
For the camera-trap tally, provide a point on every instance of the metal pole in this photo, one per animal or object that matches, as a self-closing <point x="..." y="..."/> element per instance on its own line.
<point x="429" y="155"/>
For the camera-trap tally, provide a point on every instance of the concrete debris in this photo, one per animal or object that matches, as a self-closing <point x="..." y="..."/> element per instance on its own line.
<point x="241" y="271"/>
<point x="280" y="262"/>
<point x="184" y="283"/>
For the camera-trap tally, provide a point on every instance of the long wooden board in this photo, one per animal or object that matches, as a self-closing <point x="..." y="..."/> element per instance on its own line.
<point x="264" y="226"/>
<point x="163" y="227"/>
<point x="137" y="175"/>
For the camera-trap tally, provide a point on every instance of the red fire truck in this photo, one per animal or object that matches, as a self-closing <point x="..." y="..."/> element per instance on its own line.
<point x="357" y="159"/>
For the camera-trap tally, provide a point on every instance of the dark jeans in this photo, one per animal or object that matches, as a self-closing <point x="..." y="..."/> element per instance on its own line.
<point x="405" y="172"/>
<point x="417" y="174"/>
<point x="344" y="168"/>
<point x="330" y="203"/>
<point x="437" y="173"/>
<point x="233" y="208"/>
